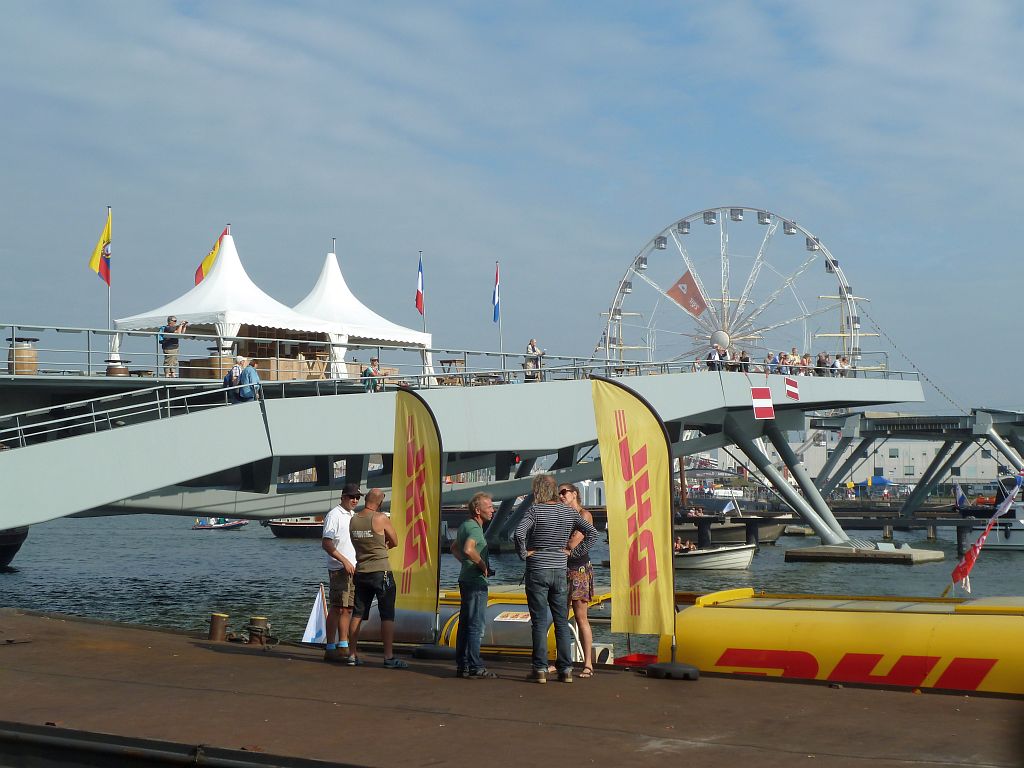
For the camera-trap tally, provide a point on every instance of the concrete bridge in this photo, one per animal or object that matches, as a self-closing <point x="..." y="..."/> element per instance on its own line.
<point x="159" y="451"/>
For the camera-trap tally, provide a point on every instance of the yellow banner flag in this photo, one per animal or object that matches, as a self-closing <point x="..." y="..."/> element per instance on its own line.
<point x="635" y="463"/>
<point x="99" y="262"/>
<point x="416" y="503"/>
<point x="207" y="263"/>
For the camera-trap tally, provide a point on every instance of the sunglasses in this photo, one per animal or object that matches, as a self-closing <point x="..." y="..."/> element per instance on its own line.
<point x="565" y="491"/>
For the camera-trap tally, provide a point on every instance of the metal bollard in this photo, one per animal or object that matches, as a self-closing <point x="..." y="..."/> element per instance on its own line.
<point x="258" y="629"/>
<point x="218" y="627"/>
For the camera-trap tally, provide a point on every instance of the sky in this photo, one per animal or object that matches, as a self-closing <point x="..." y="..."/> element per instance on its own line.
<point x="554" y="138"/>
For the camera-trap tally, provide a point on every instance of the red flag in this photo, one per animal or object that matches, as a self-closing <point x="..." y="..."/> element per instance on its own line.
<point x="687" y="295"/>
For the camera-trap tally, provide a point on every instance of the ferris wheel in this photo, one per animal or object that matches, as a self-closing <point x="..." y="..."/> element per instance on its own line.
<point x="743" y="278"/>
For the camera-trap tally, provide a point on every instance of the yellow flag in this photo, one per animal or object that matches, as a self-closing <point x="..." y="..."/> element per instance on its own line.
<point x="635" y="463"/>
<point x="416" y="504"/>
<point x="100" y="260"/>
<point x="207" y="263"/>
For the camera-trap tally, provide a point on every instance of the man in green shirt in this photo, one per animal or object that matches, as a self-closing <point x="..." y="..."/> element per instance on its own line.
<point x="470" y="548"/>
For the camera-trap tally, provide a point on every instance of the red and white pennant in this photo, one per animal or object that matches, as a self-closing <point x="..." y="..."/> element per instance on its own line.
<point x="761" y="397"/>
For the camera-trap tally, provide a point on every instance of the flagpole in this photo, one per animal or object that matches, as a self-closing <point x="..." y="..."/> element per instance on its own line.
<point x="110" y="321"/>
<point x="501" y="341"/>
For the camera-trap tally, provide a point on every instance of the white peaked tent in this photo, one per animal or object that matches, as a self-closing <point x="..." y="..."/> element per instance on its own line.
<point x="332" y="300"/>
<point x="226" y="300"/>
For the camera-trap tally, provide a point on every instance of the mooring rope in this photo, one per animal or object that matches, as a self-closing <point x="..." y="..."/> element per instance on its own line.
<point x="913" y="365"/>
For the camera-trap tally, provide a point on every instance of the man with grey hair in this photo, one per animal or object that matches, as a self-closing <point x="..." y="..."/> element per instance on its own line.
<point x="470" y="549"/>
<point x="542" y="539"/>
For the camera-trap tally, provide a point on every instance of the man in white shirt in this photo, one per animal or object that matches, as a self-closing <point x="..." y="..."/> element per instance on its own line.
<point x="341" y="566"/>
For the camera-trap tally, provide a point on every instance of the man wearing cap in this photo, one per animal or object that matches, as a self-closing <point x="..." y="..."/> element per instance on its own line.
<point x="372" y="536"/>
<point x="341" y="567"/>
<point x="373" y="381"/>
<point x="170" y="344"/>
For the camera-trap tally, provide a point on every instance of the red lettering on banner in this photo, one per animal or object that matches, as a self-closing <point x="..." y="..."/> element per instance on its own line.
<point x="642" y="555"/>
<point x="965" y="674"/>
<point x="416" y="551"/>
<point x="908" y="671"/>
<point x="799" y="664"/>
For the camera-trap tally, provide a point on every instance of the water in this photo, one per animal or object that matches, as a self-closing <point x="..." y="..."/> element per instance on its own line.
<point x="155" y="570"/>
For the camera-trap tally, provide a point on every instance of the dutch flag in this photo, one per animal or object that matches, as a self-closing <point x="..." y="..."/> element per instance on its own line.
<point x="496" y="296"/>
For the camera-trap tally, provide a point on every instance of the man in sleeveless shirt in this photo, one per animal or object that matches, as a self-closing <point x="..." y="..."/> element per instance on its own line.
<point x="372" y="536"/>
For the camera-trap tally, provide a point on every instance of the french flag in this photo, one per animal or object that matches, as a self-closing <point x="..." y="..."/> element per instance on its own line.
<point x="419" y="287"/>
<point x="496" y="296"/>
<point x="761" y="397"/>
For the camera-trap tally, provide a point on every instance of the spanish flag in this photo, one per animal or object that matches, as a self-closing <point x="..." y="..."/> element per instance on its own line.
<point x="635" y="464"/>
<point x="416" y="509"/>
<point x="100" y="261"/>
<point x="207" y="264"/>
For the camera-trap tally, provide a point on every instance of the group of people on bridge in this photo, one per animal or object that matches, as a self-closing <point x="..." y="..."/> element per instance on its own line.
<point x="791" y="363"/>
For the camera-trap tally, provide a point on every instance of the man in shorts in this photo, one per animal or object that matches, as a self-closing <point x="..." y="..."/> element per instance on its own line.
<point x="372" y="536"/>
<point x="341" y="567"/>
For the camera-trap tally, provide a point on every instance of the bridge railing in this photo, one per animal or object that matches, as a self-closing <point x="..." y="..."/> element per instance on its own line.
<point x="48" y="351"/>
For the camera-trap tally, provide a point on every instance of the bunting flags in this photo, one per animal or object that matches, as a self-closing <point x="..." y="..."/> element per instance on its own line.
<point x="962" y="571"/>
<point x="419" y="286"/>
<point x="496" y="296"/>
<point x="207" y="264"/>
<point x="636" y="465"/>
<point x="100" y="261"/>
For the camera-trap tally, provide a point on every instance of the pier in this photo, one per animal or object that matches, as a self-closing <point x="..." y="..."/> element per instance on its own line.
<point x="109" y="686"/>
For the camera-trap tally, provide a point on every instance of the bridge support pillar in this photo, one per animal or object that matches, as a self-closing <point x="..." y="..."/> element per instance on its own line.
<point x="803" y="479"/>
<point x="794" y="499"/>
<point x="1004" y="449"/>
<point x="356" y="469"/>
<point x="932" y="477"/>
<point x="827" y="486"/>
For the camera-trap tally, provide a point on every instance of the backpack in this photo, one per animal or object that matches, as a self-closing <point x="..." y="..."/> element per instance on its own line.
<point x="160" y="335"/>
<point x="229" y="379"/>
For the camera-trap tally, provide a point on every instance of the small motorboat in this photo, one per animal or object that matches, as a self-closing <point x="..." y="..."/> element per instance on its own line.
<point x="302" y="527"/>
<point x="217" y="524"/>
<point x="733" y="557"/>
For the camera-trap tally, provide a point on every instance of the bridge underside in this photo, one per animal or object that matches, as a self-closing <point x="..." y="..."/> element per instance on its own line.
<point x="230" y="460"/>
<point x="860" y="433"/>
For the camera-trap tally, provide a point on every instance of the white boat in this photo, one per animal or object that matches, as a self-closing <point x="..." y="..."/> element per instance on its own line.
<point x="734" y="557"/>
